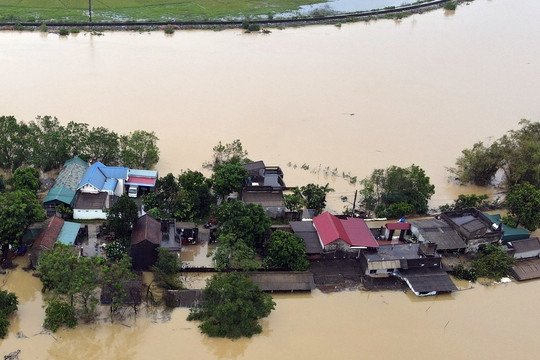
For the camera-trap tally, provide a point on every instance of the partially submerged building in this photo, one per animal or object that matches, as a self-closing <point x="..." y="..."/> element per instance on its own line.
<point x="419" y="265"/>
<point x="457" y="231"/>
<point x="343" y="237"/>
<point x="264" y="186"/>
<point x="145" y="239"/>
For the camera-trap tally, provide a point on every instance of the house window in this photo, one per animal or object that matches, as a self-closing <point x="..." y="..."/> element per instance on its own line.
<point x="372" y="271"/>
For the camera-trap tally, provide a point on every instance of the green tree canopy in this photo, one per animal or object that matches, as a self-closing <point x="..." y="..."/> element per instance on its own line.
<point x="315" y="196"/>
<point x="25" y="178"/>
<point x="13" y="143"/>
<point x="285" y="250"/>
<point x="234" y="253"/>
<point x="139" y="149"/>
<point x="121" y="217"/>
<point x="232" y="305"/>
<point x="18" y="209"/>
<point x="523" y="204"/>
<point x="408" y="188"/>
<point x="103" y="144"/>
<point x="8" y="305"/>
<point x="248" y="222"/>
<point x="492" y="262"/>
<point x="227" y="154"/>
<point x="228" y="178"/>
<point x="166" y="270"/>
<point x="516" y="154"/>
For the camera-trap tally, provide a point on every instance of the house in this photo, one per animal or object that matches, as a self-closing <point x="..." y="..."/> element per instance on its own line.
<point x="308" y="233"/>
<point x="509" y="233"/>
<point x="419" y="265"/>
<point x="526" y="269"/>
<point x="65" y="185"/>
<point x="388" y="259"/>
<point x="272" y="201"/>
<point x="436" y="230"/>
<point x="475" y="228"/>
<point x="145" y="239"/>
<point x="343" y="237"/>
<point x="55" y="229"/>
<point x="142" y="181"/>
<point x="98" y="190"/>
<point x="264" y="186"/>
<point x="524" y="249"/>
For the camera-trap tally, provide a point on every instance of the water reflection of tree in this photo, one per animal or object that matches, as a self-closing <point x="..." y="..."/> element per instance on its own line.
<point x="225" y="348"/>
<point x="101" y="341"/>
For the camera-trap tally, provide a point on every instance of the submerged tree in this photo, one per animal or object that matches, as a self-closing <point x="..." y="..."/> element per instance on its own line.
<point x="121" y="217"/>
<point x="232" y="305"/>
<point x="315" y="196"/>
<point x="397" y="191"/>
<point x="139" y="149"/>
<point x="523" y="204"/>
<point x="234" y="253"/>
<point x="8" y="305"/>
<point x="227" y="154"/>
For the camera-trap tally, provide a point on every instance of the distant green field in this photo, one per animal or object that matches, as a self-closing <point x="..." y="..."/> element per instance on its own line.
<point x="143" y="10"/>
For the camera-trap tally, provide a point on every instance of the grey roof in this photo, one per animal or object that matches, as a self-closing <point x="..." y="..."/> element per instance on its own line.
<point x="526" y="269"/>
<point x="67" y="181"/>
<point x="263" y="198"/>
<point x="283" y="281"/>
<point x="526" y="245"/>
<point x="254" y="166"/>
<point x="439" y="232"/>
<point x="425" y="280"/>
<point x="90" y="201"/>
<point x="307" y="231"/>
<point x="394" y="252"/>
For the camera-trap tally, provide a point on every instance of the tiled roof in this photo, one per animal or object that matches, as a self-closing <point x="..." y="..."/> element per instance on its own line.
<point x="50" y="233"/>
<point x="146" y="228"/>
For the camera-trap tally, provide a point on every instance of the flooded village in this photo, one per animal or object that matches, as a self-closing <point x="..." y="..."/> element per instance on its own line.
<point x="324" y="103"/>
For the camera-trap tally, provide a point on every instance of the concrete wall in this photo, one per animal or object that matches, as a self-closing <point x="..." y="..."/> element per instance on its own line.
<point x="82" y="214"/>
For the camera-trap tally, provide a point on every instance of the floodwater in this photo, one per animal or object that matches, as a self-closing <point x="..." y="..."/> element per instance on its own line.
<point x="350" y="99"/>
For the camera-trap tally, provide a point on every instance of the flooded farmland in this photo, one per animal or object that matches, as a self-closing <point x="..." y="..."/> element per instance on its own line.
<point x="351" y="98"/>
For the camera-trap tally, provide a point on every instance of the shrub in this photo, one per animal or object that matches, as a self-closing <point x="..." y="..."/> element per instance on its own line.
<point x="168" y="29"/>
<point x="253" y="27"/>
<point x="58" y="314"/>
<point x="43" y="27"/>
<point x="461" y="272"/>
<point x="451" y="5"/>
<point x="63" y="32"/>
<point x="493" y="262"/>
<point x="115" y="250"/>
<point x="74" y="30"/>
<point x="18" y="27"/>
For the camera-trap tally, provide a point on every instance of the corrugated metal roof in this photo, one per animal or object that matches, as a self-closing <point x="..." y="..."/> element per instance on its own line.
<point x="113" y="172"/>
<point x="526" y="269"/>
<point x="526" y="245"/>
<point x="427" y="280"/>
<point x="353" y="231"/>
<point x="110" y="185"/>
<point x="283" y="281"/>
<point x="87" y="201"/>
<point x="439" y="232"/>
<point x="307" y="231"/>
<point x="139" y="180"/>
<point x="67" y="182"/>
<point x="509" y="233"/>
<point x="143" y="173"/>
<point x="60" y="193"/>
<point x="69" y="232"/>
<point x="398" y="226"/>
<point x="93" y="176"/>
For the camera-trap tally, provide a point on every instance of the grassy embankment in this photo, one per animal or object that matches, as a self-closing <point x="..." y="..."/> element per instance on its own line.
<point x="142" y="10"/>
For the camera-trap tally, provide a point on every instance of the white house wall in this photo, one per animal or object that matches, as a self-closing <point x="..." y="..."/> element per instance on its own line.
<point x="89" y="189"/>
<point x="81" y="214"/>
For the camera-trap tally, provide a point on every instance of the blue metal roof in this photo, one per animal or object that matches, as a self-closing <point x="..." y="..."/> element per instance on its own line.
<point x="69" y="232"/>
<point x="110" y="185"/>
<point x="143" y="173"/>
<point x="115" y="172"/>
<point x="93" y="176"/>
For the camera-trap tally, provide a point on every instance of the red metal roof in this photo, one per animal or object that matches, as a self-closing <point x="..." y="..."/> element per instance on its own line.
<point x="141" y="180"/>
<point x="353" y="231"/>
<point x="398" y="226"/>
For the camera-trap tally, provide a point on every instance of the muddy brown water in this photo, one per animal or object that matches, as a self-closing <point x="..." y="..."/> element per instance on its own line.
<point x="352" y="98"/>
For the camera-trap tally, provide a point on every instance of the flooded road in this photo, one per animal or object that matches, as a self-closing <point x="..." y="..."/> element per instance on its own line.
<point x="350" y="98"/>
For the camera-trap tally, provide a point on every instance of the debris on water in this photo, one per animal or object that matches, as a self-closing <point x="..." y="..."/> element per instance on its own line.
<point x="20" y="335"/>
<point x="12" y="355"/>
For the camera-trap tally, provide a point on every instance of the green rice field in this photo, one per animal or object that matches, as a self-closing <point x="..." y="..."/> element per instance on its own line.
<point x="143" y="10"/>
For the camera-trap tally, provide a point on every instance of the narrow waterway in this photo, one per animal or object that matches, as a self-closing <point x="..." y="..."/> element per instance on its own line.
<point x="352" y="98"/>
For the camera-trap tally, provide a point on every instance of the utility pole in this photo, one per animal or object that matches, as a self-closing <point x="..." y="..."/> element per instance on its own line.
<point x="90" y="9"/>
<point x="354" y="202"/>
